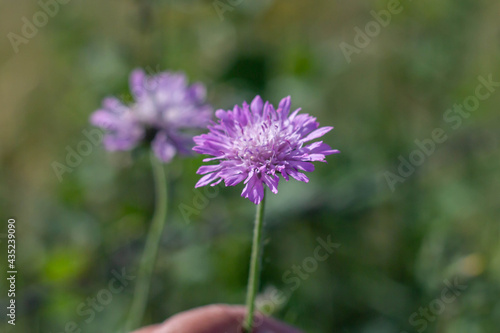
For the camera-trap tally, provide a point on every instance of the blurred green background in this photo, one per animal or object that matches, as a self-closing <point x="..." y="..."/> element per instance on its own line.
<point x="399" y="250"/>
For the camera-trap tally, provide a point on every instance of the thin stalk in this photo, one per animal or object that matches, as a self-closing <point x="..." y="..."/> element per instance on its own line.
<point x="255" y="263"/>
<point x="151" y="248"/>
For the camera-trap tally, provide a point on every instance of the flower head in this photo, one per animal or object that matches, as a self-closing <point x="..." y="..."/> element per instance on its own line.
<point x="164" y="110"/>
<point x="256" y="143"/>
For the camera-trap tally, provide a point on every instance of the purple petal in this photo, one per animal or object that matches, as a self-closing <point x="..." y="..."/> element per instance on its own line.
<point x="265" y="110"/>
<point x="256" y="106"/>
<point x="317" y="133"/>
<point x="212" y="158"/>
<point x="298" y="175"/>
<point x="208" y="168"/>
<point x="233" y="176"/>
<point x="321" y="148"/>
<point x="294" y="114"/>
<point x="271" y="182"/>
<point x="207" y="179"/>
<point x="221" y="114"/>
<point x="254" y="191"/>
<point x="304" y="124"/>
<point x="283" y="172"/>
<point x="240" y="116"/>
<point x="284" y="106"/>
<point x="304" y="166"/>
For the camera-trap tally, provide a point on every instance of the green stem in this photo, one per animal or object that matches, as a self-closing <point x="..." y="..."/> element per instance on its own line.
<point x="255" y="263"/>
<point x="151" y="248"/>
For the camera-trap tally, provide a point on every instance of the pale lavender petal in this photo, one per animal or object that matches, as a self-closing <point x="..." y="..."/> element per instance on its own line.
<point x="123" y="132"/>
<point x="119" y="141"/>
<point x="163" y="148"/>
<point x="105" y="119"/>
<point x="137" y="83"/>
<point x="198" y="92"/>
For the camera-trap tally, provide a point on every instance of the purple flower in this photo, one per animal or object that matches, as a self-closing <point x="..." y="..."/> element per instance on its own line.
<point x="164" y="111"/>
<point x="255" y="143"/>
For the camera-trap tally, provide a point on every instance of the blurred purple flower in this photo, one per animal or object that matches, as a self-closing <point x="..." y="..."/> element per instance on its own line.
<point x="164" y="112"/>
<point x="255" y="143"/>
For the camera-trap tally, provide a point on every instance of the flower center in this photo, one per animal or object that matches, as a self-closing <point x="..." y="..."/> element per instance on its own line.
<point x="258" y="143"/>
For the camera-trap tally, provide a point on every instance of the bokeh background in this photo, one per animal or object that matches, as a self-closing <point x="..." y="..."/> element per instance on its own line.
<point x="398" y="249"/>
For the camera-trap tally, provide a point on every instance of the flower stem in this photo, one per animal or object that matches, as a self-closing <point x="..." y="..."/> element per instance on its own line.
<point x="151" y="248"/>
<point x="255" y="263"/>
